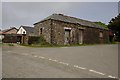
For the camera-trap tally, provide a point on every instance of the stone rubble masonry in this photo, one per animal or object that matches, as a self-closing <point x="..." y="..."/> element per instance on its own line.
<point x="53" y="31"/>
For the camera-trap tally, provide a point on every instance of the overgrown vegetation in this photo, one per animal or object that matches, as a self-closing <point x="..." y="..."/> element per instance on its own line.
<point x="35" y="41"/>
<point x="102" y="25"/>
<point x="114" y="26"/>
<point x="1" y="44"/>
<point x="72" y="45"/>
<point x="40" y="41"/>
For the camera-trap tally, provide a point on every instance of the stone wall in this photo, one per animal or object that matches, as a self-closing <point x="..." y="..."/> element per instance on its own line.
<point x="92" y="36"/>
<point x="10" y="38"/>
<point x="59" y="32"/>
<point x="46" y="30"/>
<point x="12" y="31"/>
<point x="54" y="32"/>
<point x="105" y="36"/>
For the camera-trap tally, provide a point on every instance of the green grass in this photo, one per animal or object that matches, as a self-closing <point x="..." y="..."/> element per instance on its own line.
<point x="50" y="45"/>
<point x="73" y="45"/>
<point x="1" y="44"/>
<point x="6" y="44"/>
<point x="115" y="42"/>
<point x="10" y="44"/>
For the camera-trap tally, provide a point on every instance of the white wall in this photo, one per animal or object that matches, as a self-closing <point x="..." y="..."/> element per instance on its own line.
<point x="1" y="36"/>
<point x="21" y="31"/>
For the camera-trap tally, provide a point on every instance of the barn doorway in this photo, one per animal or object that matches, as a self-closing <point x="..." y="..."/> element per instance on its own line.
<point x="67" y="36"/>
<point x="80" y="36"/>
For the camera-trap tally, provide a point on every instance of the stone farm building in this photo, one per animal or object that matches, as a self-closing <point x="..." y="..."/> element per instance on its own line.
<point x="61" y="29"/>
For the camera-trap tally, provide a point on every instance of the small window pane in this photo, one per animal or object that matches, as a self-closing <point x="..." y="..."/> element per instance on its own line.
<point x="101" y="34"/>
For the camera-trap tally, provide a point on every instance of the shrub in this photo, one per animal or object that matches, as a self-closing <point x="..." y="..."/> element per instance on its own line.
<point x="37" y="40"/>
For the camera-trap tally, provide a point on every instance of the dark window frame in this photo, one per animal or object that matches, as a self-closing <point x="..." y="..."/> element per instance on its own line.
<point x="41" y="31"/>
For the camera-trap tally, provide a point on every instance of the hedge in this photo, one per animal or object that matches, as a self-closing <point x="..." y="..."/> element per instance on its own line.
<point x="37" y="40"/>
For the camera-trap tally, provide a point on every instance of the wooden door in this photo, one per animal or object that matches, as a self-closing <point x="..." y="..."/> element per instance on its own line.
<point x="80" y="36"/>
<point x="67" y="37"/>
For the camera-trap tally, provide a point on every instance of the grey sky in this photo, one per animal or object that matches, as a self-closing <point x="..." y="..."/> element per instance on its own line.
<point x="27" y="13"/>
<point x="119" y="7"/>
<point x="0" y="15"/>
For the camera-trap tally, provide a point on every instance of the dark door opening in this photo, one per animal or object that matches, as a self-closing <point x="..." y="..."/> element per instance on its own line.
<point x="67" y="36"/>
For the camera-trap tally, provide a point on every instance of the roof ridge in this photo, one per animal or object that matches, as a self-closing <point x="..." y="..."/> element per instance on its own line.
<point x="71" y="19"/>
<point x="28" y="28"/>
<point x="25" y="26"/>
<point x="75" y="18"/>
<point x="5" y="30"/>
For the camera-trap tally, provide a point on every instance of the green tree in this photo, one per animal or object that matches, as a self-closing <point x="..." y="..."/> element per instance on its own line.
<point x="114" y="25"/>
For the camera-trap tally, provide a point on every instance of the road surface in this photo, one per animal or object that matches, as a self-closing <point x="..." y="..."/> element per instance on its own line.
<point x="99" y="61"/>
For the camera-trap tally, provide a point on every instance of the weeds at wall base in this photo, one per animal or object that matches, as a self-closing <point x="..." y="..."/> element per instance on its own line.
<point x="73" y="45"/>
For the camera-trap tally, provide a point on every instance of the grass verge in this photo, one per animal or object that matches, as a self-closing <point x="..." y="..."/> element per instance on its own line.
<point x="10" y="44"/>
<point x="50" y="45"/>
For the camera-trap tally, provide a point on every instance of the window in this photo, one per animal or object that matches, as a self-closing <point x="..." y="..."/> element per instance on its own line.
<point x="23" y="32"/>
<point x="101" y="34"/>
<point x="41" y="30"/>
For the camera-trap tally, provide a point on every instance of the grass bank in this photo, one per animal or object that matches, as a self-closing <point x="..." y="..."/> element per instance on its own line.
<point x="74" y="45"/>
<point x="7" y="44"/>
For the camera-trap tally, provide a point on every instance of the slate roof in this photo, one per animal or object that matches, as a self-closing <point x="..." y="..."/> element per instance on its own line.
<point x="70" y="19"/>
<point x="0" y="32"/>
<point x="28" y="29"/>
<point x="6" y="30"/>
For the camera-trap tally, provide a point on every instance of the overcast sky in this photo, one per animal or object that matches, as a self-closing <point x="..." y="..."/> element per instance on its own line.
<point x="28" y="13"/>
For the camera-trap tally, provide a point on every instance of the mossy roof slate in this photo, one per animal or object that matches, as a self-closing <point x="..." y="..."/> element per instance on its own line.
<point x="69" y="19"/>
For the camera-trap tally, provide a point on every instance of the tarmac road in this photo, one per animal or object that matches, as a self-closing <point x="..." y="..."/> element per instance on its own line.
<point x="99" y="61"/>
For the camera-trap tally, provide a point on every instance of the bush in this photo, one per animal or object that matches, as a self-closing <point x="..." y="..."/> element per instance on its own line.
<point x="37" y="40"/>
